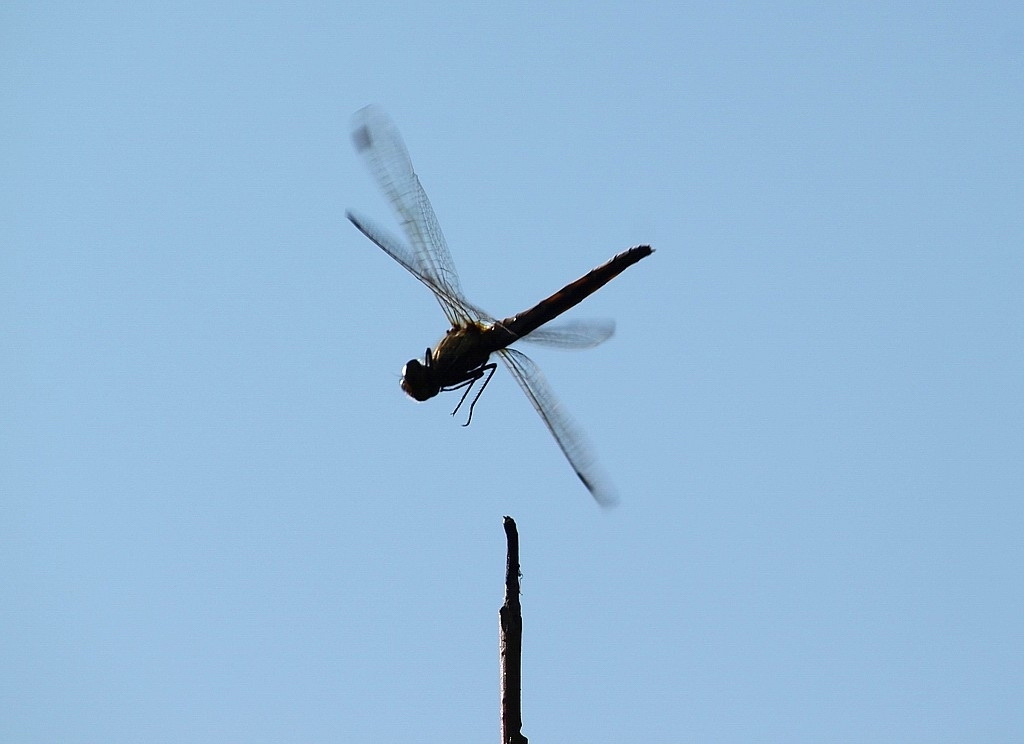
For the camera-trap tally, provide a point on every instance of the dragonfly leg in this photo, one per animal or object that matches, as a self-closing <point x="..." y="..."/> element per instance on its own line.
<point x="468" y="384"/>
<point x="489" y="370"/>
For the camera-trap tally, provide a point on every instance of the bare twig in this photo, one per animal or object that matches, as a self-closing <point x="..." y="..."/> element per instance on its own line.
<point x="510" y="645"/>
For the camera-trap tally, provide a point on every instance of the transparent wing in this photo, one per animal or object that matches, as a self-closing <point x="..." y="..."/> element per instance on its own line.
<point x="377" y="139"/>
<point x="566" y="432"/>
<point x="573" y="334"/>
<point x="399" y="251"/>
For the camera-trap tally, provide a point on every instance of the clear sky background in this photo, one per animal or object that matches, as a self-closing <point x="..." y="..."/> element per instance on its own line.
<point x="222" y="521"/>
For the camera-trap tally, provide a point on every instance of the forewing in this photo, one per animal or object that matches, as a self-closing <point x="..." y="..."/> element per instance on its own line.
<point x="573" y="334"/>
<point x="376" y="138"/>
<point x="455" y="308"/>
<point x="567" y="433"/>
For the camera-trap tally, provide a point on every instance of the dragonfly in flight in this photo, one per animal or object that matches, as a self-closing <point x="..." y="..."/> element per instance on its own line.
<point x="462" y="358"/>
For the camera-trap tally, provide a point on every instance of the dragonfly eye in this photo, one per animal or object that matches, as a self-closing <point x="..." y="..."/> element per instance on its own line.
<point x="418" y="381"/>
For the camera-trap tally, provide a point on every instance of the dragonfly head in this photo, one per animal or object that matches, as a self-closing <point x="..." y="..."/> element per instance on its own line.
<point x="418" y="379"/>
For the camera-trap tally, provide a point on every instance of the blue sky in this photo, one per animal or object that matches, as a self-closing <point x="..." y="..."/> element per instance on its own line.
<point x="221" y="520"/>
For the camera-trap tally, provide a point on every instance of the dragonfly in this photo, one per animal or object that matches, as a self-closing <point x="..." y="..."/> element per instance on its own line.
<point x="462" y="358"/>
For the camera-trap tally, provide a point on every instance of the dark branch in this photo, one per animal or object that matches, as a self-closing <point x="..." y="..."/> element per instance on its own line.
<point x="510" y="647"/>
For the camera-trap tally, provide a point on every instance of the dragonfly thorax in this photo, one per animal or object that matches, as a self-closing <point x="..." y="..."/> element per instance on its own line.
<point x="458" y="360"/>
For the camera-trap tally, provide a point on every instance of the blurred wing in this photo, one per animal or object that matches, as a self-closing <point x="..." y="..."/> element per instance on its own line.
<point x="455" y="308"/>
<point x="573" y="334"/>
<point x="566" y="432"/>
<point x="377" y="139"/>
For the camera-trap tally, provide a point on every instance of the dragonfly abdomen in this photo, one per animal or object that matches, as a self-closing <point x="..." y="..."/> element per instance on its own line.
<point x="572" y="294"/>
